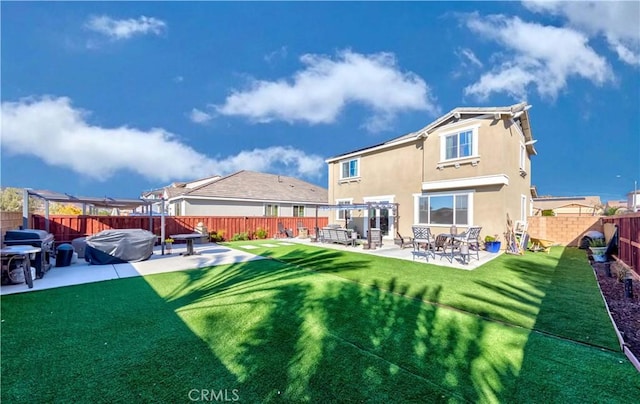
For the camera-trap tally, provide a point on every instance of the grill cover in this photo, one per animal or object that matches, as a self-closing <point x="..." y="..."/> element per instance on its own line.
<point x="118" y="246"/>
<point x="28" y="235"/>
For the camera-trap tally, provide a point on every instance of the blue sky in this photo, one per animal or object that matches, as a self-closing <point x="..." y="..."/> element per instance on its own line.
<point x="114" y="98"/>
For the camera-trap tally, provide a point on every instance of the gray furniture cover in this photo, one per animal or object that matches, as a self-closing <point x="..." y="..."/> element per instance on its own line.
<point x="118" y="246"/>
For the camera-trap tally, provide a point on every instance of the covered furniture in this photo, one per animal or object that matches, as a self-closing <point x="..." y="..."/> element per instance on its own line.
<point x="119" y="246"/>
<point x="423" y="242"/>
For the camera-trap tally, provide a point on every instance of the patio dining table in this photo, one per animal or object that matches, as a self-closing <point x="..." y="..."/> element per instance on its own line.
<point x="188" y="237"/>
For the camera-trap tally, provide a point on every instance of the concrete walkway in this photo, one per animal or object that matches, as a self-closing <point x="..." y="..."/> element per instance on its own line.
<point x="81" y="272"/>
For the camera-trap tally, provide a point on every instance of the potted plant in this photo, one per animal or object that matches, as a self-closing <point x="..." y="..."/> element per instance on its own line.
<point x="168" y="242"/>
<point x="492" y="244"/>
<point x="598" y="249"/>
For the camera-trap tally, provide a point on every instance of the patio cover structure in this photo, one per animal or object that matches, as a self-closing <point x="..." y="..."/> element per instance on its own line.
<point x="50" y="196"/>
<point x="359" y="206"/>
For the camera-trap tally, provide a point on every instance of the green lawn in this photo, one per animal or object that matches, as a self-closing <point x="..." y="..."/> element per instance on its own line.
<point x="322" y="325"/>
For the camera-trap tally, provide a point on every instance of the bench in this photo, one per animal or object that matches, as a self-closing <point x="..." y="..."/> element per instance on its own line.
<point x="333" y="235"/>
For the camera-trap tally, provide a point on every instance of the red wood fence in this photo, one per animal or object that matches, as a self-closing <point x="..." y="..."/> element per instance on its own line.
<point x="67" y="227"/>
<point x="628" y="238"/>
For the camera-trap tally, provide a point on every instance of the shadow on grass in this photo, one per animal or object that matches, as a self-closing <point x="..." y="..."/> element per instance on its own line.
<point x="113" y="341"/>
<point x="299" y="335"/>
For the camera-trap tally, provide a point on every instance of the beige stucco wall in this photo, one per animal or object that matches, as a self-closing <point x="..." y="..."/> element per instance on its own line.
<point x="400" y="172"/>
<point x="394" y="173"/>
<point x="195" y="207"/>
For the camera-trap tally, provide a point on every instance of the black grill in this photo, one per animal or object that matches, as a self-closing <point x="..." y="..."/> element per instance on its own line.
<point x="36" y="238"/>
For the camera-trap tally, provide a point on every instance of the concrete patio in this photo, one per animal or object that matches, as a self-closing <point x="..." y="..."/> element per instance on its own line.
<point x="211" y="254"/>
<point x="391" y="250"/>
<point x="81" y="272"/>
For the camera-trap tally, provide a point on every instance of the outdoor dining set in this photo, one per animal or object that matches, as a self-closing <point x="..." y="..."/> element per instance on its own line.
<point x="448" y="245"/>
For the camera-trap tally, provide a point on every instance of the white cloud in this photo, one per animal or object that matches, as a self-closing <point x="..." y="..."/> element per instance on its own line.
<point x="198" y="116"/>
<point x="617" y="21"/>
<point x="280" y="54"/>
<point x="320" y="92"/>
<point x="470" y="56"/>
<point x="59" y="134"/>
<point x="124" y="29"/>
<point x="544" y="57"/>
<point x="275" y="157"/>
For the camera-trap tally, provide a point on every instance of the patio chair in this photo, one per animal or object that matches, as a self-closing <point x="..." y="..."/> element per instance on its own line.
<point x="282" y="231"/>
<point x="422" y="238"/>
<point x="464" y="243"/>
<point x="404" y="241"/>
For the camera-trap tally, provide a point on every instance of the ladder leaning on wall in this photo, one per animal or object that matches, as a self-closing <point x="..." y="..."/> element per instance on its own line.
<point x="516" y="236"/>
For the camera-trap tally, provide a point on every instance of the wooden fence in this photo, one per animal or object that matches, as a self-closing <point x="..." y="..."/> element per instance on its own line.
<point x="628" y="238"/>
<point x="68" y="227"/>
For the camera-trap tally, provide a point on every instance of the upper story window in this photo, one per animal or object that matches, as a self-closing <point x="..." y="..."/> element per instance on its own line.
<point x="298" y="211"/>
<point x="459" y="144"/>
<point x="350" y="169"/>
<point x="271" y="210"/>
<point x="523" y="157"/>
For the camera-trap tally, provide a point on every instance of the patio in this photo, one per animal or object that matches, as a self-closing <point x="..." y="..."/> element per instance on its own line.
<point x="81" y="272"/>
<point x="391" y="250"/>
<point x="211" y="254"/>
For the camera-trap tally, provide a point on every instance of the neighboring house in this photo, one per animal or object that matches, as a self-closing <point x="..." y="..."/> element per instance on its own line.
<point x="173" y="190"/>
<point x="619" y="206"/>
<point x="568" y="205"/>
<point x="469" y="167"/>
<point x="249" y="193"/>
<point x="633" y="201"/>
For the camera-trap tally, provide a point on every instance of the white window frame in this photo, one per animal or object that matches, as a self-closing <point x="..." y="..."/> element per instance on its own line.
<point x="468" y="193"/>
<point x="348" y="161"/>
<point x="271" y="205"/>
<point x="346" y="201"/>
<point x="523" y="207"/>
<point x="299" y="207"/>
<point x="474" y="143"/>
<point x="523" y="157"/>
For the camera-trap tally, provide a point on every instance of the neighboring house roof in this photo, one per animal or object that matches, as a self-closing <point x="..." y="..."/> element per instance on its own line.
<point x="178" y="188"/>
<point x="517" y="112"/>
<point x="556" y="202"/>
<point x="251" y="185"/>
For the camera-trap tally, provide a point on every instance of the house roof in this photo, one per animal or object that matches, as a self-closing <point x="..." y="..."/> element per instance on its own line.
<point x="178" y="188"/>
<point x="555" y="202"/>
<point x="517" y="112"/>
<point x="251" y="185"/>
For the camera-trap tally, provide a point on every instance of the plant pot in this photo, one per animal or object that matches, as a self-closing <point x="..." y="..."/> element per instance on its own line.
<point x="492" y="246"/>
<point x="599" y="254"/>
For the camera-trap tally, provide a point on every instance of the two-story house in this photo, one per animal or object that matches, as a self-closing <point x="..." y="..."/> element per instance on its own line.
<point x="469" y="167"/>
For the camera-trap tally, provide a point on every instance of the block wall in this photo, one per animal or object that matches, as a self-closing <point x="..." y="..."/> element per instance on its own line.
<point x="564" y="230"/>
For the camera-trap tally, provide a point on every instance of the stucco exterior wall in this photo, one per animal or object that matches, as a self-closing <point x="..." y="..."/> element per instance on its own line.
<point x="401" y="171"/>
<point x="195" y="207"/>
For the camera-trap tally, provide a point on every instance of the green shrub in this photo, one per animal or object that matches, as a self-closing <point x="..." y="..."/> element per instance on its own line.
<point x="240" y="237"/>
<point x="597" y="242"/>
<point x="261" y="233"/>
<point x="548" y="212"/>
<point x="216" y="236"/>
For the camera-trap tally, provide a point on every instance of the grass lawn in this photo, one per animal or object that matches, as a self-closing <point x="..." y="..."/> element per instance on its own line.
<point x="321" y="325"/>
